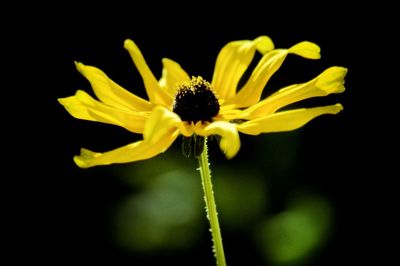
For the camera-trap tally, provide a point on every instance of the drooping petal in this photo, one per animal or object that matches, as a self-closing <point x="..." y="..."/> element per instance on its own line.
<point x="230" y="141"/>
<point x="329" y="81"/>
<point x="110" y="92"/>
<point x="156" y="94"/>
<point x="172" y="75"/>
<point x="286" y="120"/>
<point x="136" y="151"/>
<point x="251" y="92"/>
<point x="160" y="120"/>
<point x="232" y="62"/>
<point x="83" y="106"/>
<point x="161" y="129"/>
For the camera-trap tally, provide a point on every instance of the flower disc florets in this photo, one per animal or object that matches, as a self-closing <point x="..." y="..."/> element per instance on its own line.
<point x="195" y="101"/>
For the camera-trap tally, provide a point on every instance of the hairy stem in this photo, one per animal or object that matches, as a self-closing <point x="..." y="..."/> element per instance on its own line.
<point x="211" y="207"/>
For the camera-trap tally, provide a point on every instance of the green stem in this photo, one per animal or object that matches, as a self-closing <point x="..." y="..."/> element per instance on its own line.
<point x="211" y="208"/>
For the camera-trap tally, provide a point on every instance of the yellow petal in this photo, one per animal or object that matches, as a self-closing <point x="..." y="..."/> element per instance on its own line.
<point x="110" y="92"/>
<point x="263" y="44"/>
<point x="329" y="81"/>
<point x="172" y="75"/>
<point x="251" y="92"/>
<point x="83" y="106"/>
<point x="76" y="108"/>
<point x="232" y="62"/>
<point x="228" y="112"/>
<point x="306" y="49"/>
<point x="286" y="120"/>
<point x="162" y="120"/>
<point x="136" y="151"/>
<point x="155" y="93"/>
<point x="230" y="141"/>
<point x="161" y="129"/>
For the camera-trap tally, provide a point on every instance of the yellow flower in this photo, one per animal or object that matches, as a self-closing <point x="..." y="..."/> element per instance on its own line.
<point x="180" y="105"/>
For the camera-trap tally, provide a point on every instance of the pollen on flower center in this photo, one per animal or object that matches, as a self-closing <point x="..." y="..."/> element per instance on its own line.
<point x="195" y="101"/>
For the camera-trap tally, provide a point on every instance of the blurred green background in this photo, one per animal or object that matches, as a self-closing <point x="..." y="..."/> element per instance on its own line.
<point x="293" y="198"/>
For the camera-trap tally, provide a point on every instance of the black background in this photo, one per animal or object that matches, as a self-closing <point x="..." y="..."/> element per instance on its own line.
<point x="48" y="202"/>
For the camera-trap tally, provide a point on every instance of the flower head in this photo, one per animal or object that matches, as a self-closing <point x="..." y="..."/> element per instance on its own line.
<point x="191" y="106"/>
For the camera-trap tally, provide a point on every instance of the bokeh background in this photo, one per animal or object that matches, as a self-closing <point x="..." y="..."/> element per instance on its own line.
<point x="291" y="198"/>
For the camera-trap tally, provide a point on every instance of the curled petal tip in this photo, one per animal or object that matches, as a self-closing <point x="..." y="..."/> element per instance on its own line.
<point x="84" y="160"/>
<point x="131" y="46"/>
<point x="78" y="161"/>
<point x="306" y="49"/>
<point x="128" y="43"/>
<point x="230" y="152"/>
<point x="332" y="79"/>
<point x="338" y="108"/>
<point x="341" y="71"/>
<point x="264" y="44"/>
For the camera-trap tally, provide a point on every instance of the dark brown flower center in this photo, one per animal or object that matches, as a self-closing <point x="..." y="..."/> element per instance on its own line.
<point x="195" y="101"/>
